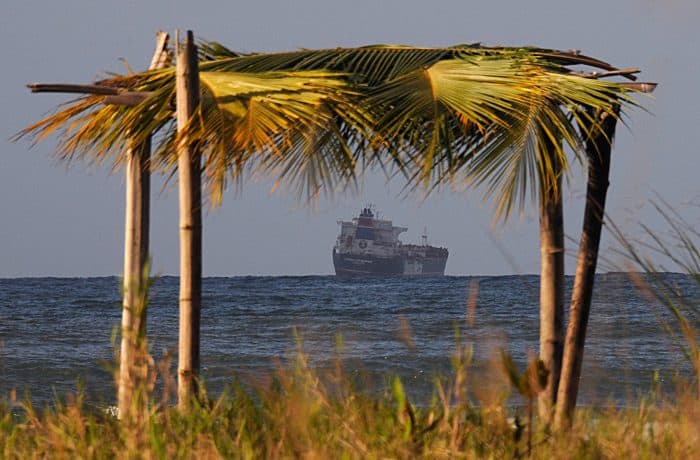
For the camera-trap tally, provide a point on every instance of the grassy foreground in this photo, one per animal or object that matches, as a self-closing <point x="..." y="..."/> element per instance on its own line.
<point x="301" y="413"/>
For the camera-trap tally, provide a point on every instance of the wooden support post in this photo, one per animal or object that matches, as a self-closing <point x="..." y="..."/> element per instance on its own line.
<point x="112" y="96"/>
<point x="190" y="193"/>
<point x="551" y="285"/>
<point x="136" y="235"/>
<point x="600" y="133"/>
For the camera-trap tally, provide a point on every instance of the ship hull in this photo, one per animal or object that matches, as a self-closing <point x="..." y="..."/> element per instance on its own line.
<point x="348" y="265"/>
<point x="363" y="265"/>
<point x="432" y="266"/>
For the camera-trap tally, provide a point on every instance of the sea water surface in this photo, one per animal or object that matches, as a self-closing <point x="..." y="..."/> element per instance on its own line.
<point x="56" y="332"/>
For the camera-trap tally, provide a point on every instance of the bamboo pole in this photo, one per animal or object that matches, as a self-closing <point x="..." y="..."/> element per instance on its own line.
<point x="551" y="289"/>
<point x="136" y="235"/>
<point x="599" y="134"/>
<point x="72" y="88"/>
<point x="190" y="194"/>
<point x="112" y="96"/>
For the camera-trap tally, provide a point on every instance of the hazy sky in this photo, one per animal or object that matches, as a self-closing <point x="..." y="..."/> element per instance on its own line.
<point x="60" y="220"/>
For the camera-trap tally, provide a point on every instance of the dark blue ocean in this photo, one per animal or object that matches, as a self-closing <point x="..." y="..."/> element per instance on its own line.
<point x="56" y="332"/>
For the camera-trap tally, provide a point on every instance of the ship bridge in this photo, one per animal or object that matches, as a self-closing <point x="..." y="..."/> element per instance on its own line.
<point x="367" y="227"/>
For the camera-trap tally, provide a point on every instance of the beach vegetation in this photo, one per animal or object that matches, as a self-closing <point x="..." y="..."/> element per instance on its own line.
<point x="298" y="411"/>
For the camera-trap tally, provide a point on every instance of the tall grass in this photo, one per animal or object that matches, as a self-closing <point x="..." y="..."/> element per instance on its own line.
<point x="650" y="258"/>
<point x="300" y="412"/>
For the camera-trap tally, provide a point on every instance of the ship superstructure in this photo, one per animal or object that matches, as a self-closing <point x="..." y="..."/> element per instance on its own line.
<point x="368" y="245"/>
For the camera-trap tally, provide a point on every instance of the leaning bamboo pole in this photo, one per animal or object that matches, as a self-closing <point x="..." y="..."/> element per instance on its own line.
<point x="136" y="236"/>
<point x="190" y="194"/>
<point x="599" y="137"/>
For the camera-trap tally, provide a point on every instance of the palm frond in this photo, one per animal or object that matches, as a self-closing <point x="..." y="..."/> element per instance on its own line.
<point x="314" y="118"/>
<point x="489" y="117"/>
<point x="277" y="118"/>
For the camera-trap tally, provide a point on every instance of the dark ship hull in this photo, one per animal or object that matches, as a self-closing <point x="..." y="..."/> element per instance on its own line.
<point x="359" y="265"/>
<point x="370" y="247"/>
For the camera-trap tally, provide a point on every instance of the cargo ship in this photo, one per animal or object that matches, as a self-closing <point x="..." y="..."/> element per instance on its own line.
<point x="369" y="246"/>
